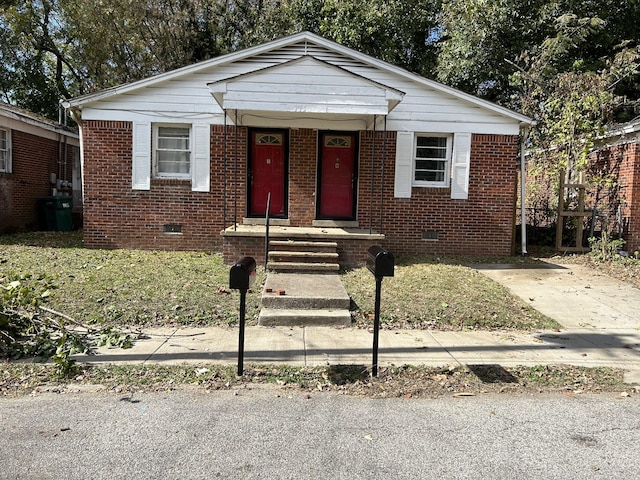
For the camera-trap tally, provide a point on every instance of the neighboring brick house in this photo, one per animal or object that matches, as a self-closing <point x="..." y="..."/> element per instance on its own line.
<point x="32" y="148"/>
<point x="617" y="160"/>
<point x="348" y="146"/>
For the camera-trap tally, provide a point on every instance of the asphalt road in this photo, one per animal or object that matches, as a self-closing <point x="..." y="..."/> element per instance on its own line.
<point x="275" y="434"/>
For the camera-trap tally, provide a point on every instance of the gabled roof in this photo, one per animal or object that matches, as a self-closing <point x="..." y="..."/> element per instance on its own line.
<point x="311" y="38"/>
<point x="347" y="93"/>
<point x="30" y="118"/>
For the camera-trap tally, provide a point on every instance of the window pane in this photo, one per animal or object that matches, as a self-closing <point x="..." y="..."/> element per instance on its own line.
<point x="173" y="132"/>
<point x="172" y="152"/>
<point x="431" y="159"/>
<point x="432" y="142"/>
<point x="422" y="152"/>
<point x="173" y="162"/>
<point x="428" y="176"/>
<point x="173" y="143"/>
<point x="435" y="165"/>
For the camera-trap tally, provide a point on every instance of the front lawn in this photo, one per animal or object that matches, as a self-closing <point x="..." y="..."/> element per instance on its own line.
<point x="145" y="288"/>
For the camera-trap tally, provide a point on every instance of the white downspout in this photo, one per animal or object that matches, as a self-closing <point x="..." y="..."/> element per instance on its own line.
<point x="75" y="115"/>
<point x="523" y="172"/>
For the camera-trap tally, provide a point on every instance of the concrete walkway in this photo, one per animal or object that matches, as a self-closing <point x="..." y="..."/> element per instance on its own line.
<point x="601" y="317"/>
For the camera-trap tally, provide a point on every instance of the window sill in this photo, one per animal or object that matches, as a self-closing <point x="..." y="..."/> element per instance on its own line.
<point x="182" y="182"/>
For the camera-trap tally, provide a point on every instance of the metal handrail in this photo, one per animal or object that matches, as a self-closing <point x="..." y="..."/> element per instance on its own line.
<point x="266" y="232"/>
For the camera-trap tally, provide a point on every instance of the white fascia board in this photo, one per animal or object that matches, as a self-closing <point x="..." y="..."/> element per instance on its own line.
<point x="304" y="108"/>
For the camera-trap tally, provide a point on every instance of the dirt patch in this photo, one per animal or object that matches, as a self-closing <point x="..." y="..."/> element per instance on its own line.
<point x="392" y="382"/>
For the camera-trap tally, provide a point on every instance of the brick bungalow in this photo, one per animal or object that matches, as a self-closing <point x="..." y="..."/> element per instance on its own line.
<point x="32" y="149"/>
<point x="349" y="148"/>
<point x="618" y="158"/>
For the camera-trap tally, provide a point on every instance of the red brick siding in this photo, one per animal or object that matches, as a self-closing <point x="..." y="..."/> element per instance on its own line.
<point x="480" y="225"/>
<point x="117" y="216"/>
<point x="622" y="162"/>
<point x="33" y="159"/>
<point x="303" y="147"/>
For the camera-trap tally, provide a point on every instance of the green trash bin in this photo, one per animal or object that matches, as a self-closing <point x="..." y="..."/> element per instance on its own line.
<point x="57" y="212"/>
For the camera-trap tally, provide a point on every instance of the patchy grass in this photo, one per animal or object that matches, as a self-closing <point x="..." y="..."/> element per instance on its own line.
<point x="429" y="293"/>
<point x="127" y="287"/>
<point x="158" y="288"/>
<point x="406" y="381"/>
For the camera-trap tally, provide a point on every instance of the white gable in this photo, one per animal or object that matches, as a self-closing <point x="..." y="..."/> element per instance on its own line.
<point x="286" y="88"/>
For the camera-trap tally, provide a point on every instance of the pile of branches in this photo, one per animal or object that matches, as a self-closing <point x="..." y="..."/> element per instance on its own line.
<point x="30" y="329"/>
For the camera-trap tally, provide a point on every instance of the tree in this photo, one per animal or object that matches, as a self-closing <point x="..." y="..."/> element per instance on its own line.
<point x="481" y="38"/>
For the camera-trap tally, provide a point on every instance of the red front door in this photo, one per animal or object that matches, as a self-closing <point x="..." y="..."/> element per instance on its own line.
<point x="267" y="173"/>
<point x="337" y="176"/>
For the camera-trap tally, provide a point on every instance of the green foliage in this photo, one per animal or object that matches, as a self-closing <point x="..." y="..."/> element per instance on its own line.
<point x="605" y="249"/>
<point x="52" y="49"/>
<point x="27" y="328"/>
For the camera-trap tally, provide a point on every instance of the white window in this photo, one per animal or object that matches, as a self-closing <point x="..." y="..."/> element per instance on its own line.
<point x="5" y="150"/>
<point x="432" y="160"/>
<point x="172" y="151"/>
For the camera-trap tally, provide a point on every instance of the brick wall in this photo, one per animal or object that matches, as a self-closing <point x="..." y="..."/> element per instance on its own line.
<point x="117" y="216"/>
<point x="33" y="159"/>
<point x="622" y="164"/>
<point x="479" y="225"/>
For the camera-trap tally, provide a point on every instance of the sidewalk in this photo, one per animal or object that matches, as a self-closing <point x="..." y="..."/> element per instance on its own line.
<point x="601" y="317"/>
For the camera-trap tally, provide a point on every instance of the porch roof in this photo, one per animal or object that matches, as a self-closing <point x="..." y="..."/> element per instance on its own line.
<point x="305" y="89"/>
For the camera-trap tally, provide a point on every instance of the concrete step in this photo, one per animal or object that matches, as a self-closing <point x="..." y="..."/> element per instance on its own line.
<point x="300" y="245"/>
<point x="290" y="317"/>
<point x="303" y="267"/>
<point x="303" y="257"/>
<point x="304" y="291"/>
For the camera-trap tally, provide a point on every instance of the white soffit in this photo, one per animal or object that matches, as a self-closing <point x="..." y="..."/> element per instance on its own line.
<point x="305" y="85"/>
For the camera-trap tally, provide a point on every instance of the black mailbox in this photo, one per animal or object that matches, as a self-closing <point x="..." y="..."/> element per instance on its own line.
<point x="380" y="262"/>
<point x="242" y="274"/>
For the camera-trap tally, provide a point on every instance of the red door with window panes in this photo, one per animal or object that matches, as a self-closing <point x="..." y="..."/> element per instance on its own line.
<point x="337" y="176"/>
<point x="267" y="173"/>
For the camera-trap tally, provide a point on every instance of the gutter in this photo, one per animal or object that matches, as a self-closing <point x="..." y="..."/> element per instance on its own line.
<point x="523" y="172"/>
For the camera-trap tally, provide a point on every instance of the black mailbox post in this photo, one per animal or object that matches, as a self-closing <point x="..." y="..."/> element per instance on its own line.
<point x="241" y="277"/>
<point x="381" y="263"/>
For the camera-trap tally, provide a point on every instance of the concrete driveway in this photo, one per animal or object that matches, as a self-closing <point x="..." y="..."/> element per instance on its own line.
<point x="573" y="295"/>
<point x="597" y="312"/>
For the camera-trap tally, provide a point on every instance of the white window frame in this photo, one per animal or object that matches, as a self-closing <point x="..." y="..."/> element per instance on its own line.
<point x="156" y="172"/>
<point x="446" y="182"/>
<point x="6" y="168"/>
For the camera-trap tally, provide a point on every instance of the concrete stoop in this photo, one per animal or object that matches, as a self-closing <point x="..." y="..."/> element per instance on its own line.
<point x="304" y="299"/>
